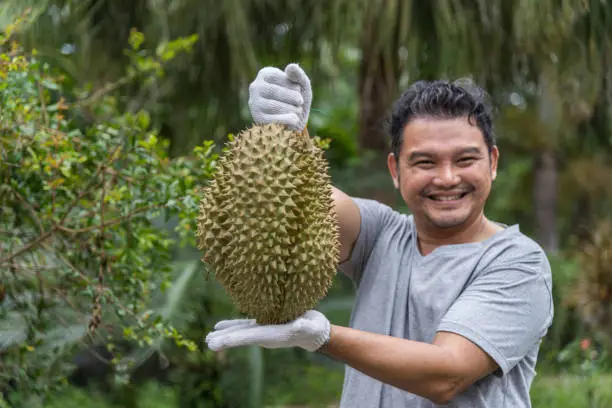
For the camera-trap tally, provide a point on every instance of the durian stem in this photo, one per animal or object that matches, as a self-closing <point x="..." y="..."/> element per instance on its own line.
<point x="305" y="132"/>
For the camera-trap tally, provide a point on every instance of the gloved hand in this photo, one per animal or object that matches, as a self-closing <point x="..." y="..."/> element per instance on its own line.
<point x="309" y="331"/>
<point x="281" y="97"/>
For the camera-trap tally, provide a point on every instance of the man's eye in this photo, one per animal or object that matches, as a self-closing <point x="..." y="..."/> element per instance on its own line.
<point x="467" y="159"/>
<point x="424" y="163"/>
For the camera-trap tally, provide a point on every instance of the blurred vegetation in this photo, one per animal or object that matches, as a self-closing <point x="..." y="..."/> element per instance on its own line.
<point x="112" y="116"/>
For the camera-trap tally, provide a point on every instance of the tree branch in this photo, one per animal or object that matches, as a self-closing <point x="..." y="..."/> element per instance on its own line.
<point x="110" y="223"/>
<point x="62" y="258"/>
<point x="92" y="183"/>
<point x="29" y="206"/>
<point x="43" y="105"/>
<point x="108" y="88"/>
<point x="96" y="314"/>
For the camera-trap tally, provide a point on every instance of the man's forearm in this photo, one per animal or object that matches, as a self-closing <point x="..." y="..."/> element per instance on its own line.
<point x="424" y="369"/>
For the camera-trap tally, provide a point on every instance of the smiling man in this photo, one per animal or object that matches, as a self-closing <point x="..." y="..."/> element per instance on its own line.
<point x="450" y="306"/>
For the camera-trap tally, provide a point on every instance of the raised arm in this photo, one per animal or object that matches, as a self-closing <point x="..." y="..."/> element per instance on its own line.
<point x="349" y="221"/>
<point x="277" y="96"/>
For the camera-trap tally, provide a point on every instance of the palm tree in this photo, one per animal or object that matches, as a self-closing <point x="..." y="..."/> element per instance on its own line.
<point x="203" y="95"/>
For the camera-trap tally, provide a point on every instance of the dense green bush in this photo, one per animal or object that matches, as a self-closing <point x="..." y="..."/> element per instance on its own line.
<point x="80" y="257"/>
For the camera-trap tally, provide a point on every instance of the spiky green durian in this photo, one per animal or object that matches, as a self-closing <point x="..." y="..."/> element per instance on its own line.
<point x="267" y="225"/>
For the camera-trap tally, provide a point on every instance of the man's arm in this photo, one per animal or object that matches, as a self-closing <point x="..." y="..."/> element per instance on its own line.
<point x="437" y="371"/>
<point x="349" y="222"/>
<point x="515" y="309"/>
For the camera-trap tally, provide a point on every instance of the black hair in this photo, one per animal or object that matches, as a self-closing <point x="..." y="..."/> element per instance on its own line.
<point x="442" y="99"/>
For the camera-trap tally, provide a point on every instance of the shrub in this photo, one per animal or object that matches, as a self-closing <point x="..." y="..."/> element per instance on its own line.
<point x="80" y="256"/>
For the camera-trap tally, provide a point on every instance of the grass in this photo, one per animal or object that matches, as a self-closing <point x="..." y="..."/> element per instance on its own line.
<point x="318" y="387"/>
<point x="567" y="391"/>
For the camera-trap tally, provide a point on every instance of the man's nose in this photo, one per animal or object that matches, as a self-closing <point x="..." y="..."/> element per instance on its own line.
<point x="447" y="176"/>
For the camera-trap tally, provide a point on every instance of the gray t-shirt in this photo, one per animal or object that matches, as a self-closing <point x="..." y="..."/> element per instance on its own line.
<point x="497" y="293"/>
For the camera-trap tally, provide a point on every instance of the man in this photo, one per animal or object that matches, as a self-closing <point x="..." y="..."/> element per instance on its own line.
<point x="450" y="306"/>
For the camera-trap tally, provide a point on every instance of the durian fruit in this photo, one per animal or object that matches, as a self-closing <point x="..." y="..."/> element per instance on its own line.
<point x="267" y="225"/>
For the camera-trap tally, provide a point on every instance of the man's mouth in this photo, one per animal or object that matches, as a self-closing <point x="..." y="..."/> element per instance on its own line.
<point x="447" y="197"/>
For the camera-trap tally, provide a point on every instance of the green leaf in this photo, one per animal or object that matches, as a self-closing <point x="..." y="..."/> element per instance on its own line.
<point x="13" y="330"/>
<point x="136" y="39"/>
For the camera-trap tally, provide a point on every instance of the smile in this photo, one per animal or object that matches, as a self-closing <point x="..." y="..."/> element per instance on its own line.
<point x="446" y="198"/>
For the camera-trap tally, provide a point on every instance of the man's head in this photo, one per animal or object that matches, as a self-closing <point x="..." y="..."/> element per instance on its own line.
<point x="444" y="156"/>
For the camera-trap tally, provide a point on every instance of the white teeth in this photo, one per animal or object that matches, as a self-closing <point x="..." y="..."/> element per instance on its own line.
<point x="446" y="198"/>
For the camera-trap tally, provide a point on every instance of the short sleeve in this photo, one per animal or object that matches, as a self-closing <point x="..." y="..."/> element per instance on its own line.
<point x="375" y="216"/>
<point x="506" y="310"/>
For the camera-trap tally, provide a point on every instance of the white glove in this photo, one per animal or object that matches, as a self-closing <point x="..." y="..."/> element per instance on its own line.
<point x="309" y="331"/>
<point x="281" y="97"/>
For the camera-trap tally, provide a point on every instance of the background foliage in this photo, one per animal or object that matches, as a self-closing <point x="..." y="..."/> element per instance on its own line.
<point x="113" y="114"/>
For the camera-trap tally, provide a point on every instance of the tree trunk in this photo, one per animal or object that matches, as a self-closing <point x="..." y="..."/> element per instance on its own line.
<point x="378" y="73"/>
<point x="545" y="171"/>
<point x="545" y="200"/>
<point x="373" y="105"/>
<point x="375" y="97"/>
<point x="378" y="79"/>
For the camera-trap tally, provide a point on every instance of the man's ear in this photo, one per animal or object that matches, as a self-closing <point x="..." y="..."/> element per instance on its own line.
<point x="393" y="165"/>
<point x="494" y="160"/>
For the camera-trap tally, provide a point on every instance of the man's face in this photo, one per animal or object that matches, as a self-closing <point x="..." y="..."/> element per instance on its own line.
<point x="445" y="171"/>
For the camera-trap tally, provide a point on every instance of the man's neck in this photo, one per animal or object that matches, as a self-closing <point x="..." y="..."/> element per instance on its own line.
<point x="430" y="238"/>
